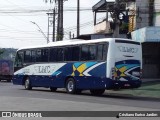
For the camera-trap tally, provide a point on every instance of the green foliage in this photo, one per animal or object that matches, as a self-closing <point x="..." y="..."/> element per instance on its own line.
<point x="1" y="51"/>
<point x="7" y="53"/>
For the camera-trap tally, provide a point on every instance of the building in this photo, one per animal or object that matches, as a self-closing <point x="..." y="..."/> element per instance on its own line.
<point x="150" y="39"/>
<point x="142" y="17"/>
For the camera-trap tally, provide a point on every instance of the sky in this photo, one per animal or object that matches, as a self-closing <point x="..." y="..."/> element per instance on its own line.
<point x="17" y="30"/>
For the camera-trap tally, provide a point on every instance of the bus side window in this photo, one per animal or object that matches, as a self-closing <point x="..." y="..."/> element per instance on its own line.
<point x="53" y="54"/>
<point x="27" y="56"/>
<point x="105" y="51"/>
<point x="19" y="59"/>
<point x="38" y="56"/>
<point x="92" y="52"/>
<point x="33" y="56"/>
<point x="72" y="53"/>
<point x="76" y="53"/>
<point x="84" y="52"/>
<point x="68" y="53"/>
<point x="60" y="54"/>
<point x="45" y="54"/>
<point x="99" y="52"/>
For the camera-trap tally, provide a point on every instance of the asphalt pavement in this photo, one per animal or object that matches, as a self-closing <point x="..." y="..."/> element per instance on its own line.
<point x="15" y="98"/>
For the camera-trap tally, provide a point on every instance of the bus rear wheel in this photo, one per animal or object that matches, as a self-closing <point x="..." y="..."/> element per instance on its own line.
<point x="27" y="84"/>
<point x="70" y="86"/>
<point x="97" y="92"/>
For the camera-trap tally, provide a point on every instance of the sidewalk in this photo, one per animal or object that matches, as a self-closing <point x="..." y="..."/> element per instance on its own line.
<point x="150" y="89"/>
<point x="146" y="80"/>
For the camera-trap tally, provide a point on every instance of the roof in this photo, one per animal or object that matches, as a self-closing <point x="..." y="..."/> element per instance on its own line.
<point x="103" y="5"/>
<point x="72" y="42"/>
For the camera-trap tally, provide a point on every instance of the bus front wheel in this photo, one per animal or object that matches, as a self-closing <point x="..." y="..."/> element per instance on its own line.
<point x="27" y="84"/>
<point x="97" y="91"/>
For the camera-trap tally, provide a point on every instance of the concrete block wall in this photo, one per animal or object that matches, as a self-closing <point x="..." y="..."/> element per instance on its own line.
<point x="142" y="14"/>
<point x="156" y="19"/>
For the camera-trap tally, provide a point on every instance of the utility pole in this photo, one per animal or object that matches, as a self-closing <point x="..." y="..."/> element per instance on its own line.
<point x="60" y="21"/>
<point x="51" y="25"/>
<point x="116" y="20"/>
<point x="78" y="17"/>
<point x="54" y="18"/>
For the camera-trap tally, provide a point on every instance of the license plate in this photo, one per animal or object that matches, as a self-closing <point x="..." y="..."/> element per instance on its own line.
<point x="136" y="73"/>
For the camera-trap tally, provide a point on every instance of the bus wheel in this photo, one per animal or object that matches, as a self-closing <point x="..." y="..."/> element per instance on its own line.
<point x="53" y="89"/>
<point x="70" y="86"/>
<point x="27" y="84"/>
<point x="97" y="91"/>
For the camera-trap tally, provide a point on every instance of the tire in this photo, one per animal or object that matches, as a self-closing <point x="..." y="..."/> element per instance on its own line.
<point x="70" y="86"/>
<point x="27" y="84"/>
<point x="53" y="89"/>
<point x="97" y="92"/>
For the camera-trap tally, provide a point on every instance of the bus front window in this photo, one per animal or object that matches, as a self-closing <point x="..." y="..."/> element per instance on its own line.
<point x="19" y="59"/>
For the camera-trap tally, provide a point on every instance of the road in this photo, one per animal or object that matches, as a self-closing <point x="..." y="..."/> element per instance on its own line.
<point x="15" y="98"/>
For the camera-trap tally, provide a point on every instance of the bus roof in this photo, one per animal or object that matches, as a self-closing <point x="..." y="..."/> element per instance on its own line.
<point x="74" y="42"/>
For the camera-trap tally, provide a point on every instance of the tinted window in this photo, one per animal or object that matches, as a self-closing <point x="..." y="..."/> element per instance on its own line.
<point x="84" y="52"/>
<point x="68" y="54"/>
<point x="38" y="56"/>
<point x="53" y="54"/>
<point x="60" y="54"/>
<point x="105" y="50"/>
<point x="33" y="56"/>
<point x="102" y="50"/>
<point x="27" y="56"/>
<point x="19" y="59"/>
<point x="92" y="52"/>
<point x="72" y="53"/>
<point x="76" y="53"/>
<point x="99" y="52"/>
<point x="44" y="55"/>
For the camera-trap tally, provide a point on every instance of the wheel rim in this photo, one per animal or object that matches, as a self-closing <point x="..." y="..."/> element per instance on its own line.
<point x="70" y="86"/>
<point x="26" y="83"/>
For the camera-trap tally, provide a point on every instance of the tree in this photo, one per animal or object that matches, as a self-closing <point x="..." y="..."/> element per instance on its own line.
<point x="1" y="52"/>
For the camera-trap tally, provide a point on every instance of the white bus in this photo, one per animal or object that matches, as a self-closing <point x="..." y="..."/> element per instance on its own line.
<point x="77" y="65"/>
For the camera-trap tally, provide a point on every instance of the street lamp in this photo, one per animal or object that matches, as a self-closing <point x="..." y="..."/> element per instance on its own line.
<point x="40" y="30"/>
